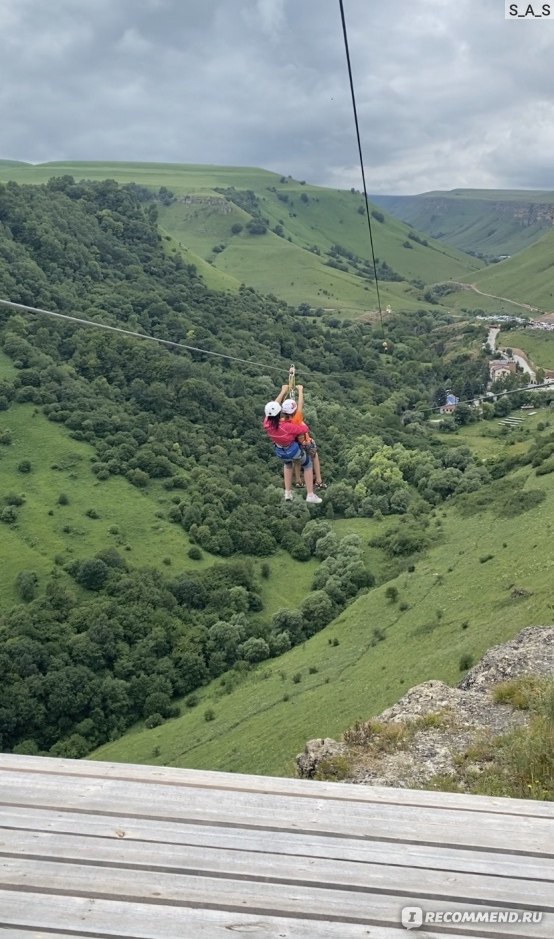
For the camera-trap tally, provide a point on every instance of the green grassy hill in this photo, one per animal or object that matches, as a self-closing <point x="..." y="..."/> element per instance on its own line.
<point x="291" y="264"/>
<point x="539" y="346"/>
<point x="488" y="222"/>
<point x="527" y="277"/>
<point x="345" y="672"/>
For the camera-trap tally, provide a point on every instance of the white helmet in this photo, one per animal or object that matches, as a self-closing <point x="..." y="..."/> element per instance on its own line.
<point x="272" y="409"/>
<point x="289" y="406"/>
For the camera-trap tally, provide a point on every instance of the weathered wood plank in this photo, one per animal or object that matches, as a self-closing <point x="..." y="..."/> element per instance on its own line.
<point x="453" y="827"/>
<point x="206" y="779"/>
<point x="270" y="867"/>
<point x="288" y="844"/>
<point x="257" y="899"/>
<point x="113" y="918"/>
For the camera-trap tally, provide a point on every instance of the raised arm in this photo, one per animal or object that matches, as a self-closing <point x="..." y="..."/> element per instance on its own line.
<point x="300" y="389"/>
<point x="282" y="393"/>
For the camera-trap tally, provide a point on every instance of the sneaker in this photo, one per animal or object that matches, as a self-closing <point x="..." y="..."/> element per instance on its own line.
<point x="320" y="485"/>
<point x="289" y="496"/>
<point x="311" y="497"/>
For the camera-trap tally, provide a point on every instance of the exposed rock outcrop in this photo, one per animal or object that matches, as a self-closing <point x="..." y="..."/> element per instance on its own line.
<point x="424" y="733"/>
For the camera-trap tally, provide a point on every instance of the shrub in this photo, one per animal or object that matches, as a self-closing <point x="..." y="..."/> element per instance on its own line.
<point x="63" y="499"/>
<point x="92" y="513"/>
<point x="153" y="720"/>
<point x="466" y="661"/>
<point x="191" y="701"/>
<point x="194" y="553"/>
<point x="24" y="466"/>
<point x="297" y="678"/>
<point x="209" y="715"/>
<point x="333" y="768"/>
<point x="391" y="594"/>
<point x="26" y="583"/>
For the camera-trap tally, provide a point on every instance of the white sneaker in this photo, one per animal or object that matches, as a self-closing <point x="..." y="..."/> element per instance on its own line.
<point x="311" y="497"/>
<point x="289" y="496"/>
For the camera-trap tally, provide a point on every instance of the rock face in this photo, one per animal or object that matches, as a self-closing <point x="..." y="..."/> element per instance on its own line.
<point x="314" y="753"/>
<point x="423" y="734"/>
<point x="530" y="653"/>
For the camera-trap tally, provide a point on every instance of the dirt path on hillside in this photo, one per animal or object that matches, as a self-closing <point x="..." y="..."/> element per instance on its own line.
<point x="493" y="296"/>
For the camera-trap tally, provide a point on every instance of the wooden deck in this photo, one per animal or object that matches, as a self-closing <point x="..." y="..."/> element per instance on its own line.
<point x="113" y="850"/>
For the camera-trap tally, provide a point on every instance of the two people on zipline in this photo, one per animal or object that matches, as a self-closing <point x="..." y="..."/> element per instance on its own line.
<point x="293" y="444"/>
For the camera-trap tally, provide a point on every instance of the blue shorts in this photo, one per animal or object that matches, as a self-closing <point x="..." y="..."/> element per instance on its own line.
<point x="294" y="453"/>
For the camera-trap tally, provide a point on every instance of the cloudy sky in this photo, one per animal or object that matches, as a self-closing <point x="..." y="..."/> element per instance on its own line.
<point x="449" y="93"/>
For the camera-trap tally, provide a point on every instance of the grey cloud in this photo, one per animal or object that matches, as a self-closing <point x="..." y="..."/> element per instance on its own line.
<point x="449" y="94"/>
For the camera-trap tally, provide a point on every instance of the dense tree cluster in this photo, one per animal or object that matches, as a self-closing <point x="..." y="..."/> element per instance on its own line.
<point x="76" y="674"/>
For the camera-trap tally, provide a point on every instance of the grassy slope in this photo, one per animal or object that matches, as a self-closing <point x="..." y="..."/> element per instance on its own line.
<point x="37" y="537"/>
<point x="539" y="346"/>
<point x="487" y="221"/>
<point x="527" y="277"/>
<point x="260" y="725"/>
<point x="270" y="263"/>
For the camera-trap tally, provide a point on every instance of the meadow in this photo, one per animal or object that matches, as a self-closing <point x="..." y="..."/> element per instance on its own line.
<point x="377" y="648"/>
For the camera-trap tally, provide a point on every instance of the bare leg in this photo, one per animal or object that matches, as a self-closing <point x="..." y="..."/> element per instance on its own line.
<point x="287" y="471"/>
<point x="309" y="479"/>
<point x="317" y="468"/>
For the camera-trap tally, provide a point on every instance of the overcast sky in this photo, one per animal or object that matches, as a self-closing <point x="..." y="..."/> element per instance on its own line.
<point x="450" y="94"/>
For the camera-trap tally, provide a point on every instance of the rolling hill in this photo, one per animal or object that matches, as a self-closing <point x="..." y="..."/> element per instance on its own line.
<point x="315" y="247"/>
<point x="488" y="223"/>
<point x="527" y="277"/>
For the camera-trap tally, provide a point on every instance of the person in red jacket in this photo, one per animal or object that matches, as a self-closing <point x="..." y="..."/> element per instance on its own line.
<point x="283" y="433"/>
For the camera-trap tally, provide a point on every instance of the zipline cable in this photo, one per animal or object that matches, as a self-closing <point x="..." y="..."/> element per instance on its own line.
<point x="127" y="332"/>
<point x="355" y="109"/>
<point x="180" y="345"/>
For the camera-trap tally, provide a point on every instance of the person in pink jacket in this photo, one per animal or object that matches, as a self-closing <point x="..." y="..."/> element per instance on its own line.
<point x="283" y="433"/>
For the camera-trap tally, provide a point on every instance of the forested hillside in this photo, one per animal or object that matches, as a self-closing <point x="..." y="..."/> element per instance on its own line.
<point x="98" y="644"/>
<point x="303" y="243"/>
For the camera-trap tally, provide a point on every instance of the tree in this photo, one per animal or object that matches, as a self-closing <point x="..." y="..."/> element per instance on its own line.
<point x="26" y="583"/>
<point x="463" y="414"/>
<point x="317" y="610"/>
<point x="254" y="650"/>
<point x="92" y="574"/>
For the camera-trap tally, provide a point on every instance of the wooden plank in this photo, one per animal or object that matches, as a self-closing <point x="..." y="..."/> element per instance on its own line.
<point x="234" y="896"/>
<point x="113" y="918"/>
<point x="146" y="832"/>
<point x="206" y="779"/>
<point x="451" y="827"/>
<point x="253" y="866"/>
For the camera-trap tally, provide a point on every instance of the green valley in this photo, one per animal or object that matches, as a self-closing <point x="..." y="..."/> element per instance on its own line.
<point x="486" y="222"/>
<point x="159" y="600"/>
